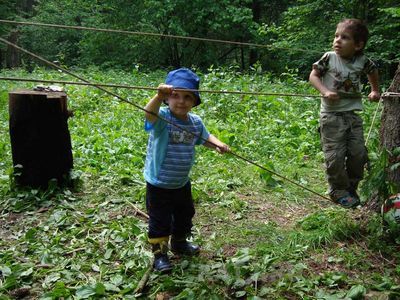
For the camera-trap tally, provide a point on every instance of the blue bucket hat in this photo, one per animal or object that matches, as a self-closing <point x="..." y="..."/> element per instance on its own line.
<point x="184" y="78"/>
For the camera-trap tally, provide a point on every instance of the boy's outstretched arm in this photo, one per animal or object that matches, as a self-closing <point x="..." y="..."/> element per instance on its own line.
<point x="373" y="79"/>
<point x="315" y="80"/>
<point x="163" y="92"/>
<point x="221" y="147"/>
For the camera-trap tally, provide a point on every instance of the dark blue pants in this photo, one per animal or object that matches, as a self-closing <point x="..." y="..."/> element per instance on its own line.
<point x="170" y="211"/>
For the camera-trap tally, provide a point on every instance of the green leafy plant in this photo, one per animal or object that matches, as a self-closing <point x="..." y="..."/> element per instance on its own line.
<point x="376" y="182"/>
<point x="261" y="237"/>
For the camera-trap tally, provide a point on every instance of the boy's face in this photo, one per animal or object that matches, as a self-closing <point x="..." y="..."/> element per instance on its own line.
<point x="180" y="103"/>
<point x="344" y="44"/>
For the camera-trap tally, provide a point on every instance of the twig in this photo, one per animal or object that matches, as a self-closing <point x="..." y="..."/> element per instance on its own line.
<point x="74" y="250"/>
<point x="45" y="266"/>
<point x="394" y="265"/>
<point x="143" y="281"/>
<point x="142" y="213"/>
<point x="138" y="182"/>
<point x="381" y="257"/>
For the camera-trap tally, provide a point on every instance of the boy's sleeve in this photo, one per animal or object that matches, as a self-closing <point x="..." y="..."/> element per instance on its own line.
<point x="148" y="126"/>
<point x="369" y="66"/>
<point x="204" y="135"/>
<point x="322" y="65"/>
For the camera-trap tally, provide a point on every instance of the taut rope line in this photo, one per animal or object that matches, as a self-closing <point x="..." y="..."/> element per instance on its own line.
<point x="156" y="115"/>
<point x="373" y="121"/>
<point x="383" y="96"/>
<point x="167" y="36"/>
<point x="135" y="87"/>
<point x="152" y="34"/>
<point x="138" y="87"/>
<point x="178" y="37"/>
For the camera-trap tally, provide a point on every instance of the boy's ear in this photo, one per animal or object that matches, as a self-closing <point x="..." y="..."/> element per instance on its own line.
<point x="360" y="46"/>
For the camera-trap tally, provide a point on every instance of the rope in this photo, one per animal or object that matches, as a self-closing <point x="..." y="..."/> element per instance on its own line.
<point x="373" y="121"/>
<point x="383" y="96"/>
<point x="154" y="88"/>
<point x="190" y="90"/>
<point x="156" y="115"/>
<point x="156" y="35"/>
<point x="152" y="34"/>
<point x="390" y="95"/>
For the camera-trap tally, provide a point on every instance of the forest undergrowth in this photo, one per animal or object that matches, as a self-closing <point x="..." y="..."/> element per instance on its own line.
<point x="261" y="236"/>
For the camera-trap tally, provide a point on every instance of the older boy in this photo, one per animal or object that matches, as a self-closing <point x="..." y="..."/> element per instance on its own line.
<point x="170" y="156"/>
<point x="337" y="77"/>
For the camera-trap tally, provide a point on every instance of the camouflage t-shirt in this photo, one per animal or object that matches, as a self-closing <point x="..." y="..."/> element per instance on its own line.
<point x="343" y="76"/>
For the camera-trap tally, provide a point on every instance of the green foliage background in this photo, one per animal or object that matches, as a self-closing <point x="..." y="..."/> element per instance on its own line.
<point x="262" y="238"/>
<point x="296" y="32"/>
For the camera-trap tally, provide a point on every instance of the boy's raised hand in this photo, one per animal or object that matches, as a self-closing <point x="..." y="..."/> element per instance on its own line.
<point x="164" y="91"/>
<point x="153" y="106"/>
<point x="374" y="96"/>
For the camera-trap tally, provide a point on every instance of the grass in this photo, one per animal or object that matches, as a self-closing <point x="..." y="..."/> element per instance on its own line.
<point x="262" y="238"/>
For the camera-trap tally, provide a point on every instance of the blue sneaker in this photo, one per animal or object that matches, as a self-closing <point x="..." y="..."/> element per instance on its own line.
<point x="348" y="201"/>
<point x="162" y="264"/>
<point x="182" y="246"/>
<point x="161" y="260"/>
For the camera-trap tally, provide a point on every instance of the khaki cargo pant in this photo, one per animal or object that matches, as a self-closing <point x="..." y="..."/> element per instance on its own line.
<point x="345" y="154"/>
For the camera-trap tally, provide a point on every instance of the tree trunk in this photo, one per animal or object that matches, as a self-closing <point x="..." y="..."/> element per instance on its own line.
<point x="13" y="59"/>
<point x="27" y="5"/>
<point x="256" y="10"/>
<point x="242" y="57"/>
<point x="360" y="10"/>
<point x="1" y="59"/>
<point x="10" y="58"/>
<point x="390" y="130"/>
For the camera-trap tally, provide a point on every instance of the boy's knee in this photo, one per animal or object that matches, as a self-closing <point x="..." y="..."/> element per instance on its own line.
<point x="334" y="160"/>
<point x="358" y="153"/>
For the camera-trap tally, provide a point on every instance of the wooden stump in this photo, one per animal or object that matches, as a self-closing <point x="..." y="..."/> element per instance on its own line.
<point x="40" y="140"/>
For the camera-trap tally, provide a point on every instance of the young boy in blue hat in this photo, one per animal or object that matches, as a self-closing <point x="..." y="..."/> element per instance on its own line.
<point x="170" y="156"/>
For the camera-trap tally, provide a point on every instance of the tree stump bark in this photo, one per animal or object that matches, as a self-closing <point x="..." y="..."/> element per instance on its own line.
<point x="390" y="129"/>
<point x="40" y="139"/>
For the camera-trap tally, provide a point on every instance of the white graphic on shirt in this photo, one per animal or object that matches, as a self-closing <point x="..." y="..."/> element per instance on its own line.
<point x="349" y="83"/>
<point x="181" y="137"/>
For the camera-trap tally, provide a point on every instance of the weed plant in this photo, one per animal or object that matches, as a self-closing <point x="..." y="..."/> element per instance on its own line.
<point x="261" y="237"/>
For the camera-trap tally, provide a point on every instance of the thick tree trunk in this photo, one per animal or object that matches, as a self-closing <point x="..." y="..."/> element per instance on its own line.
<point x="390" y="129"/>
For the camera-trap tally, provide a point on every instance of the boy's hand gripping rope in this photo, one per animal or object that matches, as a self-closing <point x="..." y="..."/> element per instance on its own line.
<point x="154" y="114"/>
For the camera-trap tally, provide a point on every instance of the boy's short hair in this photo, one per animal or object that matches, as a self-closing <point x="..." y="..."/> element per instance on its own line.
<point x="184" y="78"/>
<point x="358" y="29"/>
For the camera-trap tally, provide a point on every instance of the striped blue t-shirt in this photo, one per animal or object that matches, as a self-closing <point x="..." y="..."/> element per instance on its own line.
<point x="170" y="150"/>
